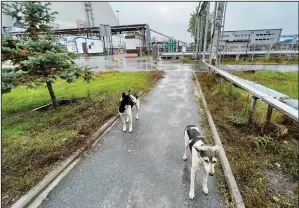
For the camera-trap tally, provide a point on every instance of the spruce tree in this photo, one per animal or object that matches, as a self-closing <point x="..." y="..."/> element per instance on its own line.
<point x="40" y="59"/>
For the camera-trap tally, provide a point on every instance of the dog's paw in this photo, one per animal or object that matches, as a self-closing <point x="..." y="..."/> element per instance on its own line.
<point x="191" y="195"/>
<point x="130" y="130"/>
<point x="205" y="190"/>
<point x="137" y="117"/>
<point x="124" y="129"/>
<point x="185" y="157"/>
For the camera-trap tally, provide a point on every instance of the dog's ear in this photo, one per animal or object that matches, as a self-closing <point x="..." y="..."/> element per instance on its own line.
<point x="200" y="148"/>
<point x="129" y="91"/>
<point x="123" y="95"/>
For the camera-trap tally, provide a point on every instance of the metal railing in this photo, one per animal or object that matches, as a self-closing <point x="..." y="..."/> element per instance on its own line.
<point x="279" y="101"/>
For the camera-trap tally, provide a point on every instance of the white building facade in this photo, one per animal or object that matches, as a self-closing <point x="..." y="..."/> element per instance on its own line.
<point x="239" y="41"/>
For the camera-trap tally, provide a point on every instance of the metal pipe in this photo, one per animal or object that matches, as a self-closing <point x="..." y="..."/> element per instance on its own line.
<point x="223" y="23"/>
<point x="252" y="110"/>
<point x="197" y="36"/>
<point x="200" y="34"/>
<point x="213" y="32"/>
<point x="218" y="31"/>
<point x="206" y="30"/>
<point x="166" y="35"/>
<point x="269" y="113"/>
<point x="195" y="28"/>
<point x="277" y="104"/>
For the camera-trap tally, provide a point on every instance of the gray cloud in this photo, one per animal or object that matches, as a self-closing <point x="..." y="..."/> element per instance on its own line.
<point x="172" y="18"/>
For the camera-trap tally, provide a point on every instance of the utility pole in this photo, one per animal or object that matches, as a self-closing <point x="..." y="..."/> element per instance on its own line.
<point x="197" y="30"/>
<point x="117" y="11"/>
<point x="222" y="33"/>
<point x="218" y="16"/>
<point x="201" y="33"/>
<point x="197" y="36"/>
<point x="212" y="32"/>
<point x="117" y="16"/>
<point x="217" y="32"/>
<point x="207" y="15"/>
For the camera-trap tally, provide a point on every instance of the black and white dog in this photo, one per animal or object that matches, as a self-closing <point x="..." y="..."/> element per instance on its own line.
<point x="126" y="104"/>
<point x="201" y="153"/>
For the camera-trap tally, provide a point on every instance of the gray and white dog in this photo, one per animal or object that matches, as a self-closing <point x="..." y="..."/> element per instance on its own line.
<point x="201" y="153"/>
<point x="126" y="104"/>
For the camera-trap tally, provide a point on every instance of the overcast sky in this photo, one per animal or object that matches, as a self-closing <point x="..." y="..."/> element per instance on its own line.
<point x="171" y="18"/>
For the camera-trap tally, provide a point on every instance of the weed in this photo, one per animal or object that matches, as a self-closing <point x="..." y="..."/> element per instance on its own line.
<point x="284" y="82"/>
<point x="253" y="150"/>
<point x="186" y="59"/>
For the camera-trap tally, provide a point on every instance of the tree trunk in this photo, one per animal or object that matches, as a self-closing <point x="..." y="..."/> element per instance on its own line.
<point x="52" y="95"/>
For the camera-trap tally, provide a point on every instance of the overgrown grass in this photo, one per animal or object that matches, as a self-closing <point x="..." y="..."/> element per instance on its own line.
<point x="219" y="174"/>
<point x="261" y="60"/>
<point x="254" y="150"/>
<point x="32" y="142"/>
<point x="187" y="60"/>
<point x="284" y="82"/>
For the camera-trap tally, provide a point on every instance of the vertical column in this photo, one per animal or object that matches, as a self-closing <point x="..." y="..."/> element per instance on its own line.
<point x="269" y="114"/>
<point x="213" y="32"/>
<point x="207" y="14"/>
<point x="252" y="110"/>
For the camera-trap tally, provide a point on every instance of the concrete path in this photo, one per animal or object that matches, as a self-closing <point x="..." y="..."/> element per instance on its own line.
<point x="143" y="168"/>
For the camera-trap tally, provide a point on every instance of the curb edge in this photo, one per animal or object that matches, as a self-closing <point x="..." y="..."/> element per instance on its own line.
<point x="230" y="179"/>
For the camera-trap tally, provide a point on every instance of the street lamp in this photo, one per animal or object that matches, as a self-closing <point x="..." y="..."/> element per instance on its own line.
<point x="117" y="11"/>
<point x="117" y="16"/>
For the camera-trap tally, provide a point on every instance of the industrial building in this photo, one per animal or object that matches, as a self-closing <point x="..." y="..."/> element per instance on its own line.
<point x="243" y="40"/>
<point x="265" y="36"/>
